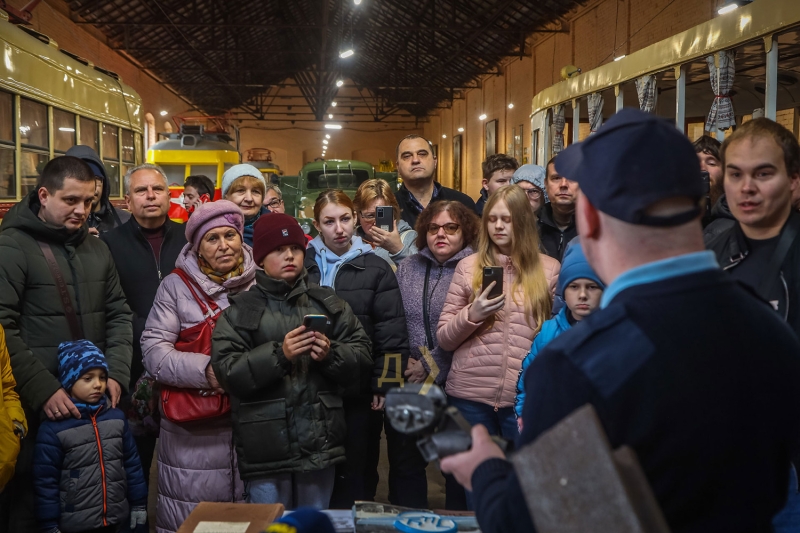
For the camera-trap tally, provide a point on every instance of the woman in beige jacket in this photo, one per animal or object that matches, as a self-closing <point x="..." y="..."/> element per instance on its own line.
<point x="490" y="337"/>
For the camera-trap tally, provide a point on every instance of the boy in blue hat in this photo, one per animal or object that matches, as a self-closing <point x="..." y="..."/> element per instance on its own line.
<point x="581" y="289"/>
<point x="88" y="474"/>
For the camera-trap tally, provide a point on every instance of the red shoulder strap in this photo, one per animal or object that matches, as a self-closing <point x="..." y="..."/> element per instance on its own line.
<point x="205" y="302"/>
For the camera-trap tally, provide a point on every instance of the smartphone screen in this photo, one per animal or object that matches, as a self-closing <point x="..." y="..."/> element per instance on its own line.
<point x="384" y="217"/>
<point x="490" y="274"/>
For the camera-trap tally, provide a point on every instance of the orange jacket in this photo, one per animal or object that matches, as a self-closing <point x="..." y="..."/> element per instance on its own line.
<point x="10" y="412"/>
<point x="487" y="361"/>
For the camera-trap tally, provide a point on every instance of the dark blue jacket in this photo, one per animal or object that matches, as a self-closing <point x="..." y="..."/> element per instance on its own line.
<point x="695" y="373"/>
<point x="88" y="472"/>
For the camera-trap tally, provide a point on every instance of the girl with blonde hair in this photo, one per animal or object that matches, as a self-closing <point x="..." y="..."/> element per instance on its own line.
<point x="490" y="337"/>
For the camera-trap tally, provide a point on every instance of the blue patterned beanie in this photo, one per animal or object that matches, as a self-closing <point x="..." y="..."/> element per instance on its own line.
<point x="75" y="358"/>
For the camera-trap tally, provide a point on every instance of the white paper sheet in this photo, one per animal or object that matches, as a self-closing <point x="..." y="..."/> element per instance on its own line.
<point x="222" y="527"/>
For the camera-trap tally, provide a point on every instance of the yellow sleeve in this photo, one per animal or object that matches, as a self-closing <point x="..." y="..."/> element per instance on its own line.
<point x="11" y="401"/>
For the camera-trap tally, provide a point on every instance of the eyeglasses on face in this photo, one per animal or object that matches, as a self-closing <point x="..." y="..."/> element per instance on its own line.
<point x="450" y="228"/>
<point x="275" y="202"/>
<point x="533" y="192"/>
<point x="367" y="216"/>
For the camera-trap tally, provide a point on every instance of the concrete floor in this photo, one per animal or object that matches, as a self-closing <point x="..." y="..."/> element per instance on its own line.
<point x="435" y="485"/>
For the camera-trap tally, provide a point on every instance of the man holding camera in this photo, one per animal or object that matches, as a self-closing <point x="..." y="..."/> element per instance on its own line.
<point x="674" y="362"/>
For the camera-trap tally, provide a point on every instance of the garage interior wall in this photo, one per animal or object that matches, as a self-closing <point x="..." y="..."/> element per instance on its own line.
<point x="598" y="32"/>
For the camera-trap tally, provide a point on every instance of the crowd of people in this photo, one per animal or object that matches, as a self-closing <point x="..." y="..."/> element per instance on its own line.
<point x="252" y="361"/>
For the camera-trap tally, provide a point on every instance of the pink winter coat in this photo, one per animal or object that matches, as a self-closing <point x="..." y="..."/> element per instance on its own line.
<point x="196" y="462"/>
<point x="486" y="362"/>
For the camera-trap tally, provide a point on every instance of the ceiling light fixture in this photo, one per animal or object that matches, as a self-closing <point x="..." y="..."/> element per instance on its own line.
<point x="511" y="105"/>
<point x="333" y="126"/>
<point x="324" y="141"/>
<point x="330" y="115"/>
<point x="444" y="136"/>
<point x="327" y="136"/>
<point x="460" y="130"/>
<point x="163" y="113"/>
<point x="482" y="117"/>
<point x="346" y="53"/>
<point x="333" y="104"/>
<point x="69" y="130"/>
<point x="339" y="83"/>
<point x="619" y="57"/>
<point x="357" y="2"/>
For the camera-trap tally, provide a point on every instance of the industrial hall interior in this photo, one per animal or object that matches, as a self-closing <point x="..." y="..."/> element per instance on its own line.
<point x="372" y="266"/>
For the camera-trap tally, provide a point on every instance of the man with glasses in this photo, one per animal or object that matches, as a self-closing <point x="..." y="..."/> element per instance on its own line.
<point x="531" y="178"/>
<point x="273" y="200"/>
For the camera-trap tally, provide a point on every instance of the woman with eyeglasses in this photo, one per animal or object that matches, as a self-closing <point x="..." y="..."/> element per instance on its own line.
<point x="392" y="246"/>
<point x="490" y="336"/>
<point x="531" y="178"/>
<point x="445" y="233"/>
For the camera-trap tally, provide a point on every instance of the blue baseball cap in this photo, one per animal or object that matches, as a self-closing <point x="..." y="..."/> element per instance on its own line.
<point x="635" y="160"/>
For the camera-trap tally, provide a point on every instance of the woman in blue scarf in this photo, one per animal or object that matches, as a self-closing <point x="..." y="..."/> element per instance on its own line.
<point x="245" y="186"/>
<point x="339" y="259"/>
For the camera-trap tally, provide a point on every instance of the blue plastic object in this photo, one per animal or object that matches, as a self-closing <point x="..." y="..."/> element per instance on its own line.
<point x="420" y="522"/>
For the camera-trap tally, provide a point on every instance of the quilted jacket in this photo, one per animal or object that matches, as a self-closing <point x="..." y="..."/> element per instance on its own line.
<point x="88" y="472"/>
<point x="196" y="462"/>
<point x="487" y="359"/>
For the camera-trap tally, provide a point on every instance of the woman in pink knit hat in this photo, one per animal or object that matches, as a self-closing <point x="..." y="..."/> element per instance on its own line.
<point x="196" y="460"/>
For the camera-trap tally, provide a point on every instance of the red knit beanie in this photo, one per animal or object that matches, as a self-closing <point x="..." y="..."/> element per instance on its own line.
<point x="273" y="230"/>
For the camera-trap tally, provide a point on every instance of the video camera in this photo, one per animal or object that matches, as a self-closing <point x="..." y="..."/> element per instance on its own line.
<point x="421" y="409"/>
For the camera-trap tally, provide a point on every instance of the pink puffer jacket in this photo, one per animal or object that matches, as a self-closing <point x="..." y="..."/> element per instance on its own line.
<point x="486" y="362"/>
<point x="196" y="462"/>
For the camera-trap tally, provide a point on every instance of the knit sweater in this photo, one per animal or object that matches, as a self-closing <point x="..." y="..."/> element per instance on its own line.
<point x="411" y="278"/>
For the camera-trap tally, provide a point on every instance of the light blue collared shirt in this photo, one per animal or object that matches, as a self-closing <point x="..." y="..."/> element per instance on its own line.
<point x="660" y="270"/>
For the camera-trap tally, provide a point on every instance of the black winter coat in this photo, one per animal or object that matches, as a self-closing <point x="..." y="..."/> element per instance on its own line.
<point x="409" y="211"/>
<point x="31" y="312"/>
<point x="552" y="238"/>
<point x="139" y="274"/>
<point x="369" y="285"/>
<point x="287" y="415"/>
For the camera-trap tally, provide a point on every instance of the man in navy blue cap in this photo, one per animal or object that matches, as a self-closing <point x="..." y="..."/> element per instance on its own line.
<point x="683" y="364"/>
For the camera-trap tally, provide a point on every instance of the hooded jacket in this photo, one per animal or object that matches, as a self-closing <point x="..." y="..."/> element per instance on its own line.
<point x="487" y="359"/>
<point x="411" y="278"/>
<point x="369" y="285"/>
<point x="407" y="235"/>
<point x="31" y="311"/>
<point x="552" y="238"/>
<point x="12" y="417"/>
<point x="88" y="472"/>
<point x="550" y="330"/>
<point x="196" y="463"/>
<point x="107" y="217"/>
<point x="140" y="274"/>
<point x="287" y="415"/>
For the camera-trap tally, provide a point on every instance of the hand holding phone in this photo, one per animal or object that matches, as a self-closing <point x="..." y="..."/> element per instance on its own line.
<point x="485" y="305"/>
